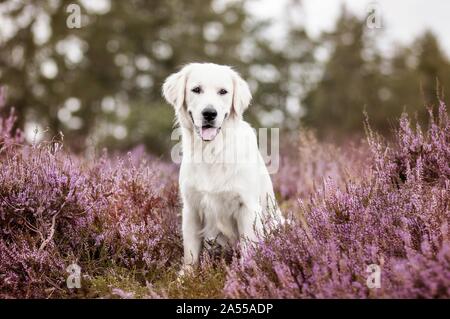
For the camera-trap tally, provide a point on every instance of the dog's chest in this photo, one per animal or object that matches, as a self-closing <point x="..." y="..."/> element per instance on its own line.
<point x="217" y="178"/>
<point x="224" y="203"/>
<point x="218" y="213"/>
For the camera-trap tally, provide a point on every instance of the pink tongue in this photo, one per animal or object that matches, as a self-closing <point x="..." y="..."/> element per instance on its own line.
<point x="208" y="133"/>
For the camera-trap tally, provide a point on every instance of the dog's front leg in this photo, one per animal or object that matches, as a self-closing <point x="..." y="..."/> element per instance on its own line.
<point x="192" y="240"/>
<point x="249" y="225"/>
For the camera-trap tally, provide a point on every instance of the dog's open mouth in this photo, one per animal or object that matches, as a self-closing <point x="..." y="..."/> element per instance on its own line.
<point x="208" y="132"/>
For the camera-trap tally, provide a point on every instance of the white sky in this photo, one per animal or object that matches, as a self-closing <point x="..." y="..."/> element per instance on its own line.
<point x="402" y="20"/>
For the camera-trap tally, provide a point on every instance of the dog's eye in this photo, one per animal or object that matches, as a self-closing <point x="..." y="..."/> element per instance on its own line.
<point x="197" y="90"/>
<point x="223" y="92"/>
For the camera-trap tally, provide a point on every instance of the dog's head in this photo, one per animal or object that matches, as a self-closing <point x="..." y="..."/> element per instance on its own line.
<point x="205" y="95"/>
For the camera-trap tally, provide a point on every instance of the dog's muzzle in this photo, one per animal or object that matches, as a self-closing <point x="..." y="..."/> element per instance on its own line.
<point x="208" y="131"/>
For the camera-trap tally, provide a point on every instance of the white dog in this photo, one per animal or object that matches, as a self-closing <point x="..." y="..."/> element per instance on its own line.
<point x="225" y="186"/>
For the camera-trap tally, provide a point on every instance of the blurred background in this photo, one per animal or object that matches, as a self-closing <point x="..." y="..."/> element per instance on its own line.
<point x="315" y="64"/>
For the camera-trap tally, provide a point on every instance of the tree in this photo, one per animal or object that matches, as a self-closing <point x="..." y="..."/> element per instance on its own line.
<point x="91" y="82"/>
<point x="349" y="81"/>
<point x="280" y="70"/>
<point x="433" y="68"/>
<point x="419" y="76"/>
<point x="357" y="78"/>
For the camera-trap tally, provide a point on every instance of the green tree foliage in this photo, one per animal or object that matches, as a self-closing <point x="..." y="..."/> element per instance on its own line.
<point x="114" y="65"/>
<point x="104" y="82"/>
<point x="282" y="70"/>
<point x="357" y="78"/>
<point x="349" y="81"/>
<point x="100" y="84"/>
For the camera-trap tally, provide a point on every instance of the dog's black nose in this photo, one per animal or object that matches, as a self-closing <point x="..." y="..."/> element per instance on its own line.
<point x="209" y="113"/>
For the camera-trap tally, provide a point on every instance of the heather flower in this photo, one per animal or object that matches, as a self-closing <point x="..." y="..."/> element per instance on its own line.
<point x="397" y="217"/>
<point x="351" y="206"/>
<point x="57" y="208"/>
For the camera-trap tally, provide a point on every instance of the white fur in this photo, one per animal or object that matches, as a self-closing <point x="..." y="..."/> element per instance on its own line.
<point x="222" y="199"/>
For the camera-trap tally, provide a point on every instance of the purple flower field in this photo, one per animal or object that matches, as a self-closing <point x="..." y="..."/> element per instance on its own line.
<point x="118" y="218"/>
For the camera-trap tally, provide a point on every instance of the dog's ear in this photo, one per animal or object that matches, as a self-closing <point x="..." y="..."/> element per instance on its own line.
<point x="241" y="95"/>
<point x="174" y="88"/>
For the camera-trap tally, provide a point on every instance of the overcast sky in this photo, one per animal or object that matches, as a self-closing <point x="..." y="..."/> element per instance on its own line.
<point x="402" y="20"/>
